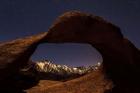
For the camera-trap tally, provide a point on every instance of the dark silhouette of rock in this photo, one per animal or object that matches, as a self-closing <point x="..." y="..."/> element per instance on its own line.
<point x="121" y="59"/>
<point x="14" y="55"/>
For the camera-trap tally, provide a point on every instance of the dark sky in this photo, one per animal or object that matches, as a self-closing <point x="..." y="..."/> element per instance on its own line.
<point x="19" y="18"/>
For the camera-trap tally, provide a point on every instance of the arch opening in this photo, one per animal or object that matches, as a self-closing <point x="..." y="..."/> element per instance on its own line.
<point x="70" y="54"/>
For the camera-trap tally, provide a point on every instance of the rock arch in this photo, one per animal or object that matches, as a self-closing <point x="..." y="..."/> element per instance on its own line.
<point x="120" y="57"/>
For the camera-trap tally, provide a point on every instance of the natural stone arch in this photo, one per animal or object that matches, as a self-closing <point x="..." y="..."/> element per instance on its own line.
<point x="120" y="56"/>
<point x="77" y="27"/>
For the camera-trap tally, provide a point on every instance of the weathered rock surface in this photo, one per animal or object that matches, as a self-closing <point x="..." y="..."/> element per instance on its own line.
<point x="14" y="55"/>
<point x="94" y="82"/>
<point x="121" y="59"/>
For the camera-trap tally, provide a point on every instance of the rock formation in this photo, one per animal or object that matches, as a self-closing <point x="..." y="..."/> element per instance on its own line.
<point x="14" y="55"/>
<point x="121" y="59"/>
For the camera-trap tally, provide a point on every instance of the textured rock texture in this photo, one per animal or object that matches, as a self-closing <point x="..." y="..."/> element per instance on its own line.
<point x="14" y="55"/>
<point x="121" y="59"/>
<point x="94" y="82"/>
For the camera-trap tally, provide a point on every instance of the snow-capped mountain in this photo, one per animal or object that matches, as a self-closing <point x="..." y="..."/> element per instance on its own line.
<point x="47" y="70"/>
<point x="49" y="67"/>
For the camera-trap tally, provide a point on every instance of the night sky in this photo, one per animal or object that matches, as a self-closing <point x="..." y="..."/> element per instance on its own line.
<point x="19" y="18"/>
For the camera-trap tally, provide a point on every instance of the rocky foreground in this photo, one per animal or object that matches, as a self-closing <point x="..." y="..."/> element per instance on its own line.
<point x="119" y="72"/>
<point x="94" y="82"/>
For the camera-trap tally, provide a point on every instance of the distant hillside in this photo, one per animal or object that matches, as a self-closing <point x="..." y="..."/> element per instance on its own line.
<point x="47" y="70"/>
